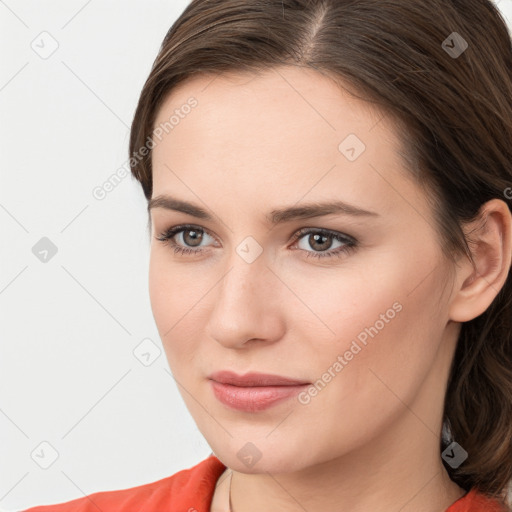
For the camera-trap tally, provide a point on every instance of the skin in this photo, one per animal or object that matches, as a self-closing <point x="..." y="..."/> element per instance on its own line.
<point x="369" y="440"/>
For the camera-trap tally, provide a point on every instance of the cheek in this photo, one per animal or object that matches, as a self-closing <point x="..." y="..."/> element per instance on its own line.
<point x="387" y="333"/>
<point x="173" y="294"/>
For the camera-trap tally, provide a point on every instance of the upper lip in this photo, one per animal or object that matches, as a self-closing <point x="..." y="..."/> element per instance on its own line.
<point x="254" y="379"/>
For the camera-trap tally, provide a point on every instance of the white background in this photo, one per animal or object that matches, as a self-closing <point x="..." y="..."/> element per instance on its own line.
<point x="69" y="326"/>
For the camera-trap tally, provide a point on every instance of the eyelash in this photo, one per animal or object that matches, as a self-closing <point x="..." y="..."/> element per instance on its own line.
<point x="350" y="243"/>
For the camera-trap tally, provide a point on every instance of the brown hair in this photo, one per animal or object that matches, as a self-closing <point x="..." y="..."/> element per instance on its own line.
<point x="454" y="112"/>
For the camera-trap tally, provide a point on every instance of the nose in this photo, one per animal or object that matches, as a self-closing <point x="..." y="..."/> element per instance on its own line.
<point x="246" y="305"/>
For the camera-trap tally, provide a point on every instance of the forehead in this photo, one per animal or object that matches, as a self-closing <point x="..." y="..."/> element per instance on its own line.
<point x="287" y="129"/>
<point x="294" y="95"/>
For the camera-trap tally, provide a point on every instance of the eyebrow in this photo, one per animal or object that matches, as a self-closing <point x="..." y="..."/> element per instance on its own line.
<point x="276" y="216"/>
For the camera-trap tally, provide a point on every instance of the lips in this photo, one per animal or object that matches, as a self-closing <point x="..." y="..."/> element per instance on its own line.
<point x="253" y="392"/>
<point x="254" y="379"/>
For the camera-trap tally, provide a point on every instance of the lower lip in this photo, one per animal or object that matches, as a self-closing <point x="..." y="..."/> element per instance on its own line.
<point x="254" y="398"/>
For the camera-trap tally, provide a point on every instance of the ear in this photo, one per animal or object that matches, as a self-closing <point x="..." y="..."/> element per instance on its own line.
<point x="490" y="241"/>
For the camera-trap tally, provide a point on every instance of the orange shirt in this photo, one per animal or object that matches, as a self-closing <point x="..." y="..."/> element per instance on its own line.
<point x="191" y="490"/>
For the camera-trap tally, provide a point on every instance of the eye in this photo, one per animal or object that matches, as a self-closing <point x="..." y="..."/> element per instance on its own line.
<point x="189" y="234"/>
<point x="321" y="239"/>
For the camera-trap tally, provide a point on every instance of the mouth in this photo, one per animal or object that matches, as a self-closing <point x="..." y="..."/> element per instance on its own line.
<point x="254" y="392"/>
<point x="254" y="379"/>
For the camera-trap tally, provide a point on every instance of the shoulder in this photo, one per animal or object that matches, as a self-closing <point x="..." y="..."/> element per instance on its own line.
<point x="188" y="490"/>
<point x="474" y="501"/>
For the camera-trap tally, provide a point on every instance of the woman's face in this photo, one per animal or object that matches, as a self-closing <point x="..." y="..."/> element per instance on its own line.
<point x="367" y="325"/>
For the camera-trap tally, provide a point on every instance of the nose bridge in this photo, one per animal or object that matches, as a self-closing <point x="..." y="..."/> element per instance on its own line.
<point x="245" y="277"/>
<point x="244" y="301"/>
<point x="245" y="262"/>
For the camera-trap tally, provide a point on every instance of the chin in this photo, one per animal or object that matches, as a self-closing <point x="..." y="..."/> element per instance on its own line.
<point x="264" y="457"/>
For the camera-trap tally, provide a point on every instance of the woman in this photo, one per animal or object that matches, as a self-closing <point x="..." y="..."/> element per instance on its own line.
<point x="329" y="197"/>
